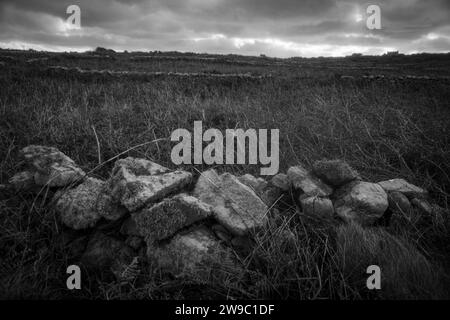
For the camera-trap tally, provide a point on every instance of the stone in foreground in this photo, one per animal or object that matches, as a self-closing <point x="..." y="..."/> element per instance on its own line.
<point x="301" y="179"/>
<point x="235" y="205"/>
<point x="335" y="172"/>
<point x="52" y="167"/>
<point x="196" y="253"/>
<point x="403" y="186"/>
<point x="361" y="202"/>
<point x="316" y="206"/>
<point x="137" y="182"/>
<point x="77" y="207"/>
<point x="164" y="219"/>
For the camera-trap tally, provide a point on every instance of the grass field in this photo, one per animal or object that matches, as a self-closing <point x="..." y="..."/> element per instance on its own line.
<point x="384" y="129"/>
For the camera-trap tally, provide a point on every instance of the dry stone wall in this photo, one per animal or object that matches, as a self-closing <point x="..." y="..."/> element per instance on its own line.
<point x="184" y="225"/>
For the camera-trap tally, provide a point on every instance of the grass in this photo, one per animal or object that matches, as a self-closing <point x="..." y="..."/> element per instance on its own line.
<point x="382" y="129"/>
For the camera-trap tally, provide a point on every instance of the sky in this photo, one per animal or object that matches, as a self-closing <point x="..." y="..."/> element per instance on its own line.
<point x="276" y="28"/>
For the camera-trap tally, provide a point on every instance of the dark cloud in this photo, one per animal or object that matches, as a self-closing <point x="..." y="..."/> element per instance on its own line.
<point x="281" y="27"/>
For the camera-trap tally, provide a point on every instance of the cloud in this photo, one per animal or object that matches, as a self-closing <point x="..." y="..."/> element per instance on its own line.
<point x="277" y="28"/>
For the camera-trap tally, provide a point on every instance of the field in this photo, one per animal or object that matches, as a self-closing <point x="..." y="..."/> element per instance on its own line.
<point x="386" y="116"/>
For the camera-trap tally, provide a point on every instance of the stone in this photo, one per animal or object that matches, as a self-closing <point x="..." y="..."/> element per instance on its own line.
<point x="268" y="193"/>
<point x="108" y="207"/>
<point x="256" y="184"/>
<point x="399" y="202"/>
<point x="281" y="181"/>
<point x="361" y="202"/>
<point x="137" y="182"/>
<point x="196" y="253"/>
<point x="51" y="167"/>
<point x="401" y="185"/>
<point x="77" y="207"/>
<point x="23" y="181"/>
<point x="422" y="205"/>
<point x="164" y="219"/>
<point x="129" y="228"/>
<point x="335" y="172"/>
<point x="301" y="179"/>
<point x="234" y="205"/>
<point x="105" y="252"/>
<point x="317" y="206"/>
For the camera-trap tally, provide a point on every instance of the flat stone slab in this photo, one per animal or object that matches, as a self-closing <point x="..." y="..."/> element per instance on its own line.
<point x="335" y="172"/>
<point x="361" y="202"/>
<point x="164" y="219"/>
<point x="51" y="167"/>
<point x="196" y="253"/>
<point x="77" y="207"/>
<point x="403" y="186"/>
<point x="235" y="205"/>
<point x="302" y="179"/>
<point x="137" y="182"/>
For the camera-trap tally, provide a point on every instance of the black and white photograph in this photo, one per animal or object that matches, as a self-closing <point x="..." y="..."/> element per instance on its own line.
<point x="225" y="155"/>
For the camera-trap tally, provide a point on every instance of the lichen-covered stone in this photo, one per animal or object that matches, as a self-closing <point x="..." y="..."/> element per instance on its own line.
<point x="137" y="182"/>
<point x="317" y="206"/>
<point x="361" y="202"/>
<point x="164" y="219"/>
<point x="301" y="179"/>
<point x="195" y="253"/>
<point x="51" y="167"/>
<point x="403" y="186"/>
<point x="77" y="207"/>
<point x="235" y="205"/>
<point x="335" y="172"/>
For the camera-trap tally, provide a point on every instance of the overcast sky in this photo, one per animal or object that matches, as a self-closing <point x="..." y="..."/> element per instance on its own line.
<point x="281" y="28"/>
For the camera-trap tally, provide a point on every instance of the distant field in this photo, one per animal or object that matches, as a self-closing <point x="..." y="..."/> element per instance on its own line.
<point x="384" y="129"/>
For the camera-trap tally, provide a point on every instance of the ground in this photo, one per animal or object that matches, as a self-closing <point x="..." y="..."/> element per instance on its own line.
<point x="394" y="125"/>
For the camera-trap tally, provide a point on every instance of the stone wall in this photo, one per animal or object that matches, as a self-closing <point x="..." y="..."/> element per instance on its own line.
<point x="185" y="225"/>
